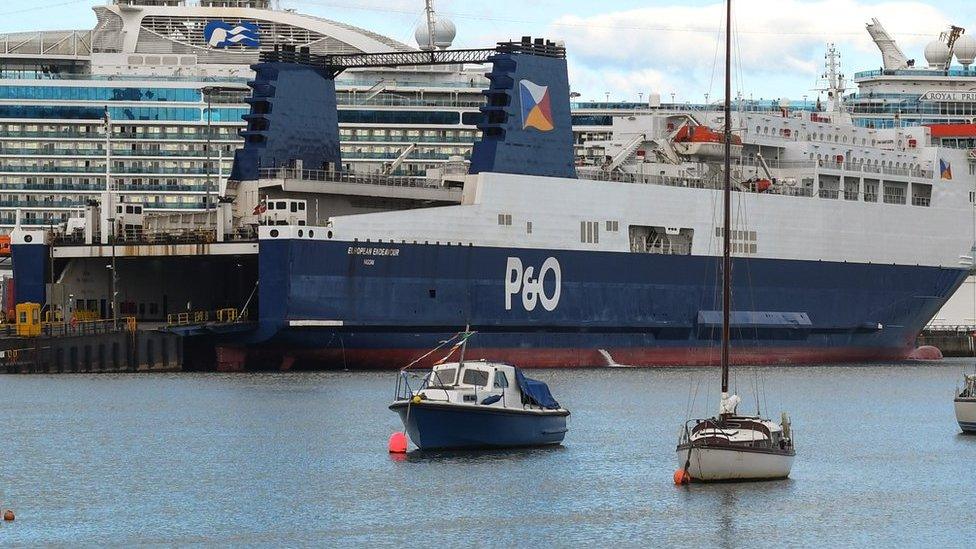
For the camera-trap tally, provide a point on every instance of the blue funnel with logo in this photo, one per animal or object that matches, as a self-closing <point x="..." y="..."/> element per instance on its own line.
<point x="526" y="126"/>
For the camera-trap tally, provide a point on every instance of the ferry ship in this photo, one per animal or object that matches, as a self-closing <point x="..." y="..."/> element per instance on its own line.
<point x="847" y="239"/>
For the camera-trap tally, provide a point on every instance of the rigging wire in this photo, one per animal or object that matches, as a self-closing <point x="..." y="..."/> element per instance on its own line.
<point x="594" y="25"/>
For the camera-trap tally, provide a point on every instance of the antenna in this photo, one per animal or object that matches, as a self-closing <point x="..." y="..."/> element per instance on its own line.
<point x="429" y="14"/>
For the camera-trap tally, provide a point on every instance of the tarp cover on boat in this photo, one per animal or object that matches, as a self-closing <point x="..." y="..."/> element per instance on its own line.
<point x="536" y="391"/>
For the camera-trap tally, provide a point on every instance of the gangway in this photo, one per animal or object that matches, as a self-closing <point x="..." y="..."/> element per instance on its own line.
<point x="626" y="153"/>
<point x="392" y="166"/>
<point x="377" y="89"/>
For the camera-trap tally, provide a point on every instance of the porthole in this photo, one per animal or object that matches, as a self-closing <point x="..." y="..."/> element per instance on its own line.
<point x="311" y="233"/>
<point x="274" y="233"/>
<point x="301" y="233"/>
<point x="28" y="238"/>
<point x="329" y="234"/>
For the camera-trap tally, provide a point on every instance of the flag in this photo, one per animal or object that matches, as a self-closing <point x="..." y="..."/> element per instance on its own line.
<point x="260" y="208"/>
<point x="455" y="347"/>
<point x="945" y="168"/>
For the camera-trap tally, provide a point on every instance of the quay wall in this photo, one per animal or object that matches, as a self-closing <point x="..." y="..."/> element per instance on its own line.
<point x="112" y="352"/>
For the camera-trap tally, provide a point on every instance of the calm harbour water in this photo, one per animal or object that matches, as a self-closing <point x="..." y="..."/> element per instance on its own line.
<point x="300" y="459"/>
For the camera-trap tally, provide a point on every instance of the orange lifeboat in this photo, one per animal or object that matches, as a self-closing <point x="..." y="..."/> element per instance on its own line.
<point x="704" y="143"/>
<point x="4" y="245"/>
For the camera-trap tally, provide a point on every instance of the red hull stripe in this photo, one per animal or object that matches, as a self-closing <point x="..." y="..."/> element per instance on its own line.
<point x="384" y="359"/>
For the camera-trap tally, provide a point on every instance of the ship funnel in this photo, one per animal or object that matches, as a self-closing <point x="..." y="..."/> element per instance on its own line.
<point x="526" y="127"/>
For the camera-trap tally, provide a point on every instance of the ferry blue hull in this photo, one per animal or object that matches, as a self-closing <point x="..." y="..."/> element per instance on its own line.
<point x="453" y="427"/>
<point x="381" y="305"/>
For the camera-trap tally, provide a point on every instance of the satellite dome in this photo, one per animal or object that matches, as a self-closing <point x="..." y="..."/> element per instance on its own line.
<point x="444" y="33"/>
<point x="965" y="49"/>
<point x="937" y="53"/>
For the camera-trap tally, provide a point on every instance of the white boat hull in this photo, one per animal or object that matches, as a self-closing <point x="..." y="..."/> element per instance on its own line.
<point x="966" y="415"/>
<point x="710" y="464"/>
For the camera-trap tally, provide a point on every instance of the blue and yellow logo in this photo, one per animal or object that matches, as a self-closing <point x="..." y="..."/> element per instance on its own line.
<point x="945" y="169"/>
<point x="536" y="106"/>
<point x="221" y="34"/>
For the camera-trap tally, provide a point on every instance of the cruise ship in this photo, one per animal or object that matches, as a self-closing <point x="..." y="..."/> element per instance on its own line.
<point x="846" y="239"/>
<point x="151" y="100"/>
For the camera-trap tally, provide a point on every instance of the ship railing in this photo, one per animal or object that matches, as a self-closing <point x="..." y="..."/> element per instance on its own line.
<point x="346" y="177"/>
<point x="226" y="315"/>
<point x="138" y="235"/>
<point x="951" y="328"/>
<point x="73" y="327"/>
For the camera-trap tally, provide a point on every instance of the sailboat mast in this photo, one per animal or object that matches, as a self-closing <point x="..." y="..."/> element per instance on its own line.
<point x="727" y="203"/>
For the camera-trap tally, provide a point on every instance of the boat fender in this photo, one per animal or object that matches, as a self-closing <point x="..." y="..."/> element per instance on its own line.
<point x="416" y="399"/>
<point x="681" y="477"/>
<point x="491" y="400"/>
<point x="397" y="443"/>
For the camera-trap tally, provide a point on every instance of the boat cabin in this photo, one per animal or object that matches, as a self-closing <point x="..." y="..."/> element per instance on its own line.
<point x="484" y="383"/>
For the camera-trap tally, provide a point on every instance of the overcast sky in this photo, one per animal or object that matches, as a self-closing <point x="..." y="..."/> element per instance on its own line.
<point x="627" y="47"/>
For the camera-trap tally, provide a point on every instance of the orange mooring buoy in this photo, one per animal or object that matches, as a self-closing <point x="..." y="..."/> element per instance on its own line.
<point x="681" y="477"/>
<point x="8" y="515"/>
<point x="398" y="443"/>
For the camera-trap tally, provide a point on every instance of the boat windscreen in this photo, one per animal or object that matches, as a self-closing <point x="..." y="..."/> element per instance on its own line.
<point x="443" y="377"/>
<point x="475" y="377"/>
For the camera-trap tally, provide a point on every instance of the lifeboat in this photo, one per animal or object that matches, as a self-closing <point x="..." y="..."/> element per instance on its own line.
<point x="704" y="143"/>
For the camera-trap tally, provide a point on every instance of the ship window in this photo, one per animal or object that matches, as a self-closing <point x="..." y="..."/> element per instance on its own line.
<point x="501" y="381"/>
<point x="528" y="227"/>
<point x="475" y="377"/>
<point x="590" y="232"/>
<point x="504" y="219"/>
<point x="443" y="377"/>
<point x="281" y="206"/>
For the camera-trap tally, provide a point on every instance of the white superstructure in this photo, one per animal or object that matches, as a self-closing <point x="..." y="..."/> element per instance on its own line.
<point x="836" y="193"/>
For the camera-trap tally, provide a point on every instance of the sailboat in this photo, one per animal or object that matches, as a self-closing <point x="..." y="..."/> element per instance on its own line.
<point x="965" y="405"/>
<point x="730" y="446"/>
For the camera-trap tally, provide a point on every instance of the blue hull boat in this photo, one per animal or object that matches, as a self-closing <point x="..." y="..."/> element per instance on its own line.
<point x="479" y="405"/>
<point x="447" y="426"/>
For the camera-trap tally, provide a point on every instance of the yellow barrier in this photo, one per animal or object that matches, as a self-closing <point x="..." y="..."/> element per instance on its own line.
<point x="52" y="316"/>
<point x="82" y="315"/>
<point x="227" y="315"/>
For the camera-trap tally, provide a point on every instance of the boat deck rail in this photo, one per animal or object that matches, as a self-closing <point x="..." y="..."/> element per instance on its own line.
<point x="142" y="236"/>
